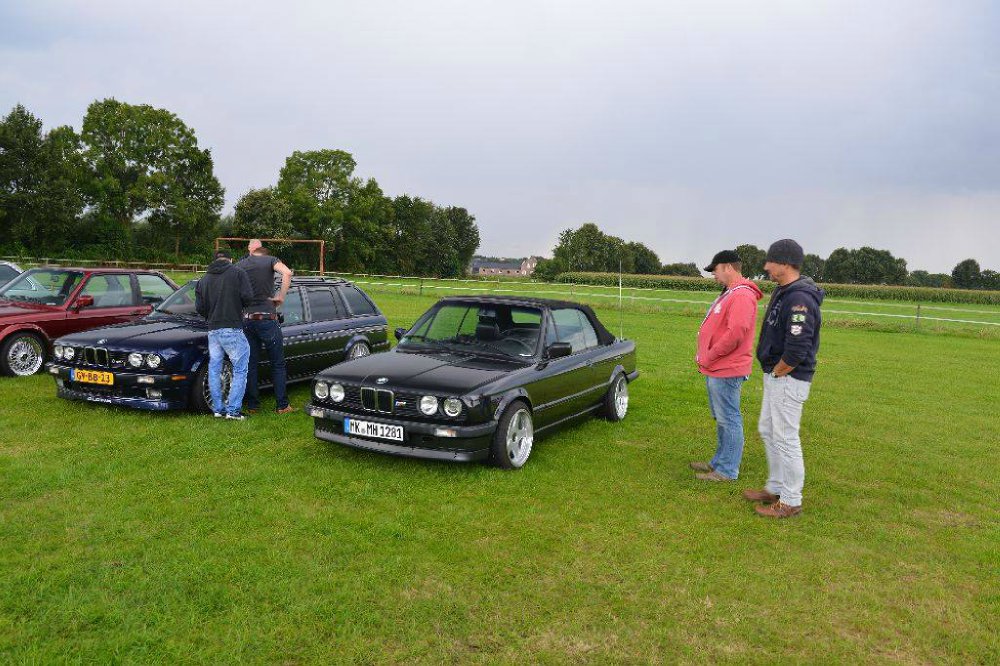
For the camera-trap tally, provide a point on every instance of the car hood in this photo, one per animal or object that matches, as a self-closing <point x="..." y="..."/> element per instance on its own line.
<point x="12" y="312"/>
<point x="429" y="372"/>
<point x="147" y="334"/>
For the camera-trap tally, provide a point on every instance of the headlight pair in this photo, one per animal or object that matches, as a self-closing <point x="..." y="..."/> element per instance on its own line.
<point x="135" y="359"/>
<point x="333" y="391"/>
<point x="451" y="406"/>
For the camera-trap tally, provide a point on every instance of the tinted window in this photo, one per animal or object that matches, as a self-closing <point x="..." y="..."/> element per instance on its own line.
<point x="572" y="326"/>
<point x="181" y="302"/>
<point x="153" y="288"/>
<point x="322" y="305"/>
<point x="109" y="291"/>
<point x="356" y="301"/>
<point x="6" y="273"/>
<point x="292" y="307"/>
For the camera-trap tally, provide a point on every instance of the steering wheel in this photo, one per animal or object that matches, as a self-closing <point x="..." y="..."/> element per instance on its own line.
<point x="527" y="347"/>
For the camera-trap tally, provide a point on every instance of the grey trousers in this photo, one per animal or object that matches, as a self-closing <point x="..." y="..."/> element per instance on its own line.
<point x="780" y="416"/>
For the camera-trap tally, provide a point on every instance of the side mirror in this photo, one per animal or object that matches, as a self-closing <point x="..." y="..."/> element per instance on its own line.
<point x="281" y="317"/>
<point x="84" y="301"/>
<point x="558" y="350"/>
<point x="400" y="332"/>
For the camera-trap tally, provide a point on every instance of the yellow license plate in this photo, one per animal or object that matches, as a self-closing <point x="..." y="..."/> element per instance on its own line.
<point x="93" y="377"/>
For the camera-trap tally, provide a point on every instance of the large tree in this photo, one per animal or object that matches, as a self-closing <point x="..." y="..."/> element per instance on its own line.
<point x="814" y="266"/>
<point x="966" y="274"/>
<point x="644" y="260"/>
<point x="262" y="214"/>
<point x="753" y="260"/>
<point x="40" y="196"/>
<point x="144" y="163"/>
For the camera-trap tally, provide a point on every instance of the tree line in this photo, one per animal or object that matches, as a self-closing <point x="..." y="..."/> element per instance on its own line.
<point x="588" y="249"/>
<point x="134" y="184"/>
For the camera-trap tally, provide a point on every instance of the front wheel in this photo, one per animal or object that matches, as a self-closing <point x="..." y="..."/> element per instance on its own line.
<point x="359" y="350"/>
<point x="22" y="354"/>
<point x="201" y="396"/>
<point x="514" y="437"/>
<point x="616" y="399"/>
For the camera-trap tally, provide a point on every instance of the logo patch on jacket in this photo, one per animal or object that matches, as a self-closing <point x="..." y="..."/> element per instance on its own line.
<point x="718" y="308"/>
<point x="799" y="308"/>
<point x="796" y="329"/>
<point x="798" y="317"/>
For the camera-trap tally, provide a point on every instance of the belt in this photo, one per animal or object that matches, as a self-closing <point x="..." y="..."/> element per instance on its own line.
<point x="258" y="316"/>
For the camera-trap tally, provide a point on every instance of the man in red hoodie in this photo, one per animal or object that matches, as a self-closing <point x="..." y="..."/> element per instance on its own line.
<point x="725" y="357"/>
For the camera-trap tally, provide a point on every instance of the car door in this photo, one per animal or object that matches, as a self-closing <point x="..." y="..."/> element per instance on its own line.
<point x="328" y="329"/>
<point x="564" y="386"/>
<point x="363" y="316"/>
<point x="295" y="335"/>
<point x="114" y="303"/>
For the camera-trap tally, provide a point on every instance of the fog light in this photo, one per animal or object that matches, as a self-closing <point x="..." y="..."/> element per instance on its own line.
<point x="154" y="394"/>
<point x="315" y="412"/>
<point x="146" y="379"/>
<point x="54" y="371"/>
<point x="445" y="432"/>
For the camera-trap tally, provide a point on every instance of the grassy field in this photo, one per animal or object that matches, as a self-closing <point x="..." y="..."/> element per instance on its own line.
<point x="134" y="537"/>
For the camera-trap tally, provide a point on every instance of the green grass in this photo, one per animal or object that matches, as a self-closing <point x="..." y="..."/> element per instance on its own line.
<point x="136" y="537"/>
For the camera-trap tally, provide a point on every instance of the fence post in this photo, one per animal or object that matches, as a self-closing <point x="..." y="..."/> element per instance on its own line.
<point x="918" y="316"/>
<point x="421" y="286"/>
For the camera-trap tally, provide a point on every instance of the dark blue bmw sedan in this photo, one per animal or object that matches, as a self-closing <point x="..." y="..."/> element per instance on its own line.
<point x="160" y="362"/>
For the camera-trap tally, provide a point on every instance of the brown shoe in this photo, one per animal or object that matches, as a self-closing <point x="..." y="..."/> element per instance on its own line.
<point x="285" y="410"/>
<point x="251" y="411"/>
<point x="712" y="476"/>
<point x="700" y="466"/>
<point x="777" y="510"/>
<point x="761" y="495"/>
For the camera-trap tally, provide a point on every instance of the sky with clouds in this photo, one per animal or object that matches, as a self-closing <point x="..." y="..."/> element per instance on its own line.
<point x="689" y="126"/>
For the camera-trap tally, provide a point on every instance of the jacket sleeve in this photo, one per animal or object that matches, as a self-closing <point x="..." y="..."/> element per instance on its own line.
<point x="800" y="328"/>
<point x="739" y="324"/>
<point x="199" y="299"/>
<point x="246" y="289"/>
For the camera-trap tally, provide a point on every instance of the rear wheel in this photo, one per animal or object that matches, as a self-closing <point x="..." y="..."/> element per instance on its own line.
<point x="616" y="399"/>
<point x="514" y="437"/>
<point x="201" y="396"/>
<point x="22" y="354"/>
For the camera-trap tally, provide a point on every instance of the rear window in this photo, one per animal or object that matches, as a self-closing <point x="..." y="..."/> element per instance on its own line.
<point x="356" y="301"/>
<point x="323" y="306"/>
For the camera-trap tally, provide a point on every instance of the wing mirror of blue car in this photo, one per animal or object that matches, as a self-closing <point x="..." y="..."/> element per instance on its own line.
<point x="400" y="332"/>
<point x="84" y="301"/>
<point x="558" y="350"/>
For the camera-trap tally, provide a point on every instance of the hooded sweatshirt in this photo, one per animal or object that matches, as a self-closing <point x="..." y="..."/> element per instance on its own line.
<point x="221" y="295"/>
<point x="791" y="329"/>
<point x="725" y="338"/>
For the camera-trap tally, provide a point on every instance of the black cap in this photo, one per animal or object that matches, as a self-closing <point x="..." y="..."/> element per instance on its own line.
<point x="223" y="254"/>
<point x="724" y="257"/>
<point x="786" y="251"/>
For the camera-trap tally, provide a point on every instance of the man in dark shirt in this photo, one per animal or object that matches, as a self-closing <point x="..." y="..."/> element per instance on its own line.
<point x="786" y="350"/>
<point x="260" y="323"/>
<point x="220" y="297"/>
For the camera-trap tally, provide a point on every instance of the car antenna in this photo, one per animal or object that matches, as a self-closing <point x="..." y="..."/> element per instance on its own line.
<point x="621" y="311"/>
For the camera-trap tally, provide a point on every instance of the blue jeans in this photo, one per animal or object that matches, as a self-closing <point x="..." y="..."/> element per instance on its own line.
<point x="724" y="401"/>
<point x="231" y="342"/>
<point x="266" y="332"/>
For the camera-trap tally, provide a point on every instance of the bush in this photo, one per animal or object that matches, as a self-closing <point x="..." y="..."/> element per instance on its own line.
<point x="856" y="291"/>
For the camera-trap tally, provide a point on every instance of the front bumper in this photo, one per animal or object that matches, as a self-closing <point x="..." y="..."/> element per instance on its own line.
<point x="126" y="391"/>
<point x="470" y="443"/>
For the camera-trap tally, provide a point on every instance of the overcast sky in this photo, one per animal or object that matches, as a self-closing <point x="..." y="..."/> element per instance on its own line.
<point x="688" y="126"/>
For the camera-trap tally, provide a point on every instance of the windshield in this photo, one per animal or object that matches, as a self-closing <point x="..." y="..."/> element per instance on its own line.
<point x="486" y="328"/>
<point x="181" y="302"/>
<point x="46" y="286"/>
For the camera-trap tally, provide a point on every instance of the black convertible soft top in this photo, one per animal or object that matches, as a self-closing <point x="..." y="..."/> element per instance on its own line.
<point x="604" y="336"/>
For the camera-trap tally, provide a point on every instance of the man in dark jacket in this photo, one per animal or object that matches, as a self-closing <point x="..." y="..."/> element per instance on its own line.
<point x="786" y="350"/>
<point x="220" y="298"/>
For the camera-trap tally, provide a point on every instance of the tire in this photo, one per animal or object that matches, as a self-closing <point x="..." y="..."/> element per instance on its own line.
<point x="201" y="399"/>
<point x="616" y="399"/>
<point x="22" y="354"/>
<point x="514" y="437"/>
<point x="359" y="350"/>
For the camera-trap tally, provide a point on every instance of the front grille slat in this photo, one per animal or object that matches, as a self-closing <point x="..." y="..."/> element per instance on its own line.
<point x="96" y="356"/>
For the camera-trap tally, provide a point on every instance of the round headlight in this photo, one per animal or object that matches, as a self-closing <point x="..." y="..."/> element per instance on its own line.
<point x="153" y="360"/>
<point x="428" y="404"/>
<point x="321" y="390"/>
<point x="336" y="392"/>
<point x="58" y="351"/>
<point x="69" y="353"/>
<point x="135" y="359"/>
<point x="452" y="406"/>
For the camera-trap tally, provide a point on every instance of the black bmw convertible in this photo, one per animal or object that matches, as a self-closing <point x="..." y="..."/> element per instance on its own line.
<point x="476" y="378"/>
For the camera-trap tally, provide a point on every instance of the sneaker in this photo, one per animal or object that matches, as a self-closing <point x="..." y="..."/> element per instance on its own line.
<point x="285" y="410"/>
<point x="700" y="466"/>
<point x="218" y="415"/>
<point x="762" y="495"/>
<point x="236" y="417"/>
<point x="777" y="510"/>
<point x="712" y="476"/>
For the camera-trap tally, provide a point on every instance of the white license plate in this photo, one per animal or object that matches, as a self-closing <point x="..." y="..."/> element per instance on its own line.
<point x="374" y="430"/>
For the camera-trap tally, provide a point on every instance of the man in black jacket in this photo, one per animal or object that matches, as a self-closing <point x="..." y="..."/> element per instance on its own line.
<point x="220" y="297"/>
<point x="786" y="349"/>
